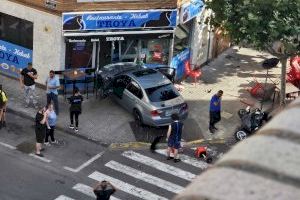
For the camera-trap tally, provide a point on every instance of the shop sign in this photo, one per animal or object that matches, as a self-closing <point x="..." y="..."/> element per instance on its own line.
<point x="13" y="58"/>
<point x="119" y="20"/>
<point x="190" y="10"/>
<point x="179" y="61"/>
<point x="50" y="4"/>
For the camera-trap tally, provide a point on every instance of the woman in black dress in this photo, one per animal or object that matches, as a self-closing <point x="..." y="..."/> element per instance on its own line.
<point x="40" y="130"/>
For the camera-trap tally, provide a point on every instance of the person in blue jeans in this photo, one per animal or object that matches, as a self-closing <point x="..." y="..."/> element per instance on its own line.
<point x="53" y="85"/>
<point x="215" y="110"/>
<point x="174" y="137"/>
<point x="51" y="123"/>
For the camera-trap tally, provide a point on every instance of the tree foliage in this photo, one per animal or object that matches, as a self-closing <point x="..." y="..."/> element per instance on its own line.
<point x="259" y="23"/>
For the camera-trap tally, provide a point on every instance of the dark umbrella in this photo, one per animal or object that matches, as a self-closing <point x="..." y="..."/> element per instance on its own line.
<point x="270" y="63"/>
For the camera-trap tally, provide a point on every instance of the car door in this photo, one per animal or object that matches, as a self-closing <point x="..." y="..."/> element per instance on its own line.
<point x="119" y="85"/>
<point x="133" y="95"/>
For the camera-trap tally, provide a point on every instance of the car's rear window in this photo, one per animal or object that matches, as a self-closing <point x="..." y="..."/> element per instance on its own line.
<point x="162" y="93"/>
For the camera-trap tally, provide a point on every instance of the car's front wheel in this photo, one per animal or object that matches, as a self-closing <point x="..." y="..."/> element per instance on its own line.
<point x="138" y="117"/>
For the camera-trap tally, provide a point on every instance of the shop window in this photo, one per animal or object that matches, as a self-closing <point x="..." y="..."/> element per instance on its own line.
<point x="79" y="55"/>
<point x="129" y="50"/>
<point x="155" y="51"/>
<point x="17" y="31"/>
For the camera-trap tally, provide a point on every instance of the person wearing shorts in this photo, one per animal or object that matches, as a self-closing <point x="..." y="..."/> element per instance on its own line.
<point x="174" y="137"/>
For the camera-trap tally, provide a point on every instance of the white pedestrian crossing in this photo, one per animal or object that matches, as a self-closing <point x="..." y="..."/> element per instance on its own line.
<point x="187" y="159"/>
<point x="63" y="197"/>
<point x="144" y="176"/>
<point x="159" y="165"/>
<point x="87" y="190"/>
<point x="137" y="174"/>
<point x="126" y="187"/>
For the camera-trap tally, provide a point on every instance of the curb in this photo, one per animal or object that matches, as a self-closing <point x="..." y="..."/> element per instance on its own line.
<point x="123" y="146"/>
<point x="60" y="128"/>
<point x="145" y="145"/>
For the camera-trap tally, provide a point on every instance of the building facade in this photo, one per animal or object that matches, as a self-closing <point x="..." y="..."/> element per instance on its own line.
<point x="68" y="34"/>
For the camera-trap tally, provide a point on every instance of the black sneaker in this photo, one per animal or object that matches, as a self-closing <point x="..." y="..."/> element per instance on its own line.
<point x="211" y="130"/>
<point x="215" y="128"/>
<point x="169" y="158"/>
<point x="177" y="160"/>
<point x="39" y="154"/>
<point x="71" y="126"/>
<point x="76" y="130"/>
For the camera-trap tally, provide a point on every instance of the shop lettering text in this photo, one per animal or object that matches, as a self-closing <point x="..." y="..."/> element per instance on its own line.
<point x="115" y="24"/>
<point x="9" y="57"/>
<point x="110" y="39"/>
<point x="139" y="16"/>
<point x="13" y="58"/>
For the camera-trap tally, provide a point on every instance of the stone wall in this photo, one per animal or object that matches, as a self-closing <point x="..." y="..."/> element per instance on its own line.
<point x="48" y="44"/>
<point x="263" y="167"/>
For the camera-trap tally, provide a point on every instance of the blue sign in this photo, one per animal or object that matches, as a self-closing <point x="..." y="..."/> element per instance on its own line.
<point x="13" y="58"/>
<point x="190" y="10"/>
<point x="119" y="20"/>
<point x="178" y="62"/>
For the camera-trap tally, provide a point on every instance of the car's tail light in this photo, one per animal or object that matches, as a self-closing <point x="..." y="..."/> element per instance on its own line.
<point x="155" y="113"/>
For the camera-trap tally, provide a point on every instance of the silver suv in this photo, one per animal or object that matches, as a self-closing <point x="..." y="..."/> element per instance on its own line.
<point x="150" y="96"/>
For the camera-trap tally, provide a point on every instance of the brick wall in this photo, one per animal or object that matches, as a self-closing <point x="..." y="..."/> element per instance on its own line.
<point x="266" y="166"/>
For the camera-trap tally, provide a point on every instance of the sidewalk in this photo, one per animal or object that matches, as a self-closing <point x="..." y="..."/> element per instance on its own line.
<point x="231" y="72"/>
<point x="106" y="122"/>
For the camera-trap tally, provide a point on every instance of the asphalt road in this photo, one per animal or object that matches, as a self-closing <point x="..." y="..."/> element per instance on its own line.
<point x="72" y="167"/>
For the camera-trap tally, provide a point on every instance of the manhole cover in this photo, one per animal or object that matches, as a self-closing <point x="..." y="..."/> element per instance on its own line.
<point x="226" y="115"/>
<point x="26" y="147"/>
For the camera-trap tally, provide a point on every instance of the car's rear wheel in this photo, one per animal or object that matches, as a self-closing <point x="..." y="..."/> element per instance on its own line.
<point x="138" y="117"/>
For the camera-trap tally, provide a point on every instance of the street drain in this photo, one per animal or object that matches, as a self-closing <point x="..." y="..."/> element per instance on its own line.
<point x="26" y="147"/>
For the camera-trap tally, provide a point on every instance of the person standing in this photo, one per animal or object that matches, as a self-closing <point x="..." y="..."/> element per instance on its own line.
<point x="27" y="81"/>
<point x="53" y="85"/>
<point x="75" y="108"/>
<point x="174" y="137"/>
<point x="51" y="123"/>
<point x="215" y="111"/>
<point x="3" y="103"/>
<point x="102" y="192"/>
<point x="40" y="130"/>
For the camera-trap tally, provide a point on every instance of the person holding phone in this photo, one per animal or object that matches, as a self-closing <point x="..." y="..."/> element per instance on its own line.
<point x="40" y="130"/>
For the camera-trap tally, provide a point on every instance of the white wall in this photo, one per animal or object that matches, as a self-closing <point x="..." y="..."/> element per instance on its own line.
<point x="48" y="46"/>
<point x="199" y="42"/>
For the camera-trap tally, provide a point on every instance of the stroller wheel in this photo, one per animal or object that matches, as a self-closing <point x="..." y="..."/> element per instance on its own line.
<point x="209" y="160"/>
<point x="240" y="135"/>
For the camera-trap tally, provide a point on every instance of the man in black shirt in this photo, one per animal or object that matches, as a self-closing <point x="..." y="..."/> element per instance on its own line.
<point x="75" y="108"/>
<point x="27" y="81"/>
<point x="101" y="191"/>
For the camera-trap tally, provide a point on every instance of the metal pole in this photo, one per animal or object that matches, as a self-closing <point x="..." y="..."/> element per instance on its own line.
<point x="264" y="89"/>
<point x="171" y="50"/>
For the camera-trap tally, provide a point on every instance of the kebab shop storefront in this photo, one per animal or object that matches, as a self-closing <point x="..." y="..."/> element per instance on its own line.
<point x="95" y="39"/>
